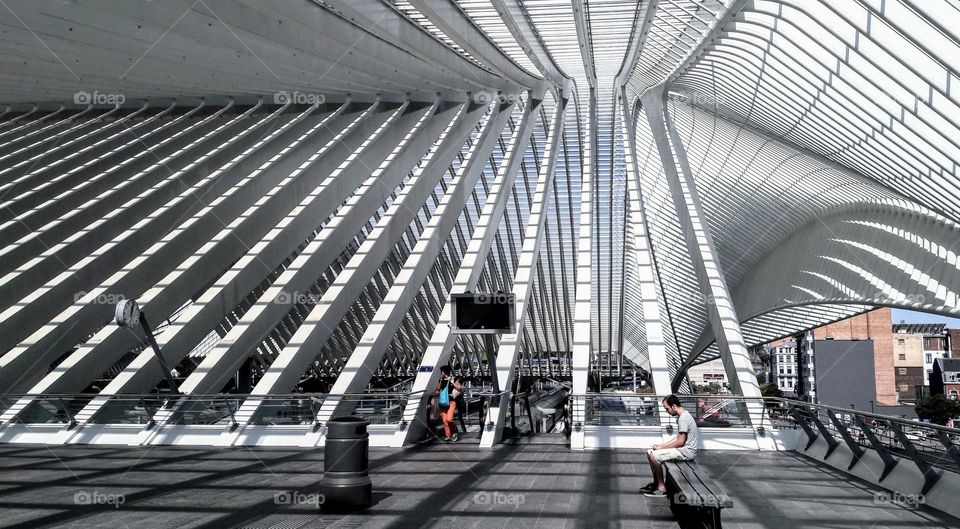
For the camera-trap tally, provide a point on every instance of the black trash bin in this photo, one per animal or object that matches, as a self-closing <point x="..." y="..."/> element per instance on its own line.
<point x="346" y="484"/>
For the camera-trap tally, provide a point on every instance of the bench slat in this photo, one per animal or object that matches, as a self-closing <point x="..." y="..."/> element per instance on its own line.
<point x="690" y="495"/>
<point x="710" y="498"/>
<point x="684" y="484"/>
<point x="699" y="490"/>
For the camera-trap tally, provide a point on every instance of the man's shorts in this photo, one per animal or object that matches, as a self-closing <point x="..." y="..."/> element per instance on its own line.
<point x="667" y="454"/>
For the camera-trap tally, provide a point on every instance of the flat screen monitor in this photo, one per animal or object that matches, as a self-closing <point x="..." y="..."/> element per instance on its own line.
<point x="482" y="313"/>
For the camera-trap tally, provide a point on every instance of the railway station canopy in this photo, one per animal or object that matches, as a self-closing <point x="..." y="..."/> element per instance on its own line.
<point x="292" y="191"/>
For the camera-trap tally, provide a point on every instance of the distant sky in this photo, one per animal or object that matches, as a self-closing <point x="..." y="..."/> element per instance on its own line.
<point x="909" y="316"/>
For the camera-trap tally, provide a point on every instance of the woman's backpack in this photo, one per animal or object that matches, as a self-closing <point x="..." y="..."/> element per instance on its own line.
<point x="445" y="395"/>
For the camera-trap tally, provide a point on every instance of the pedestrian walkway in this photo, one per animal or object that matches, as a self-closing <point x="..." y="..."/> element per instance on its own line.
<point x="522" y="485"/>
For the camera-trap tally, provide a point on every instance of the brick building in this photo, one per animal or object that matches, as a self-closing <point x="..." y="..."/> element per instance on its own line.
<point x="945" y="379"/>
<point x="708" y="373"/>
<point x="876" y="325"/>
<point x="908" y="369"/>
<point x="916" y="347"/>
<point x="954" y="339"/>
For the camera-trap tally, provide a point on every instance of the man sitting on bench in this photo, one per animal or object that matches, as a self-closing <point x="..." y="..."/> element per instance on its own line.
<point x="683" y="446"/>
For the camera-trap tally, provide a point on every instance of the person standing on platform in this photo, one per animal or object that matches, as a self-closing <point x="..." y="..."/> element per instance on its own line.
<point x="449" y="389"/>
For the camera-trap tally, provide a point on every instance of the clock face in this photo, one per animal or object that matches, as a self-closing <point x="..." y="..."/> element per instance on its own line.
<point x="128" y="313"/>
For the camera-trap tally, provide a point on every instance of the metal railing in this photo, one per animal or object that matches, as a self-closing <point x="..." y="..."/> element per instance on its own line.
<point x="476" y="401"/>
<point x="932" y="447"/>
<point x="636" y="409"/>
<point x="300" y="408"/>
<point x="46" y="408"/>
<point x="376" y="407"/>
<point x="929" y="446"/>
<point x="186" y="409"/>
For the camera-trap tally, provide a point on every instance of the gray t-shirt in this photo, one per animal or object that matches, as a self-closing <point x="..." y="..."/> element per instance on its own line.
<point x="687" y="424"/>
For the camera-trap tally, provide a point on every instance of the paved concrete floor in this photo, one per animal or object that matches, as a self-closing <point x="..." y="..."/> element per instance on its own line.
<point x="537" y="485"/>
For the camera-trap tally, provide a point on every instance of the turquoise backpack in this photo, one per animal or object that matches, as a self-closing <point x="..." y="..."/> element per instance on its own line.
<point x="445" y="395"/>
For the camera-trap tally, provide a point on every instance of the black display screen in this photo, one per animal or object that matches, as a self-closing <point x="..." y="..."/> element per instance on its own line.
<point x="483" y="312"/>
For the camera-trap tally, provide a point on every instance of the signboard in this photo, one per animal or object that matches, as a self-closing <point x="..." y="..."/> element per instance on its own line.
<point x="483" y="313"/>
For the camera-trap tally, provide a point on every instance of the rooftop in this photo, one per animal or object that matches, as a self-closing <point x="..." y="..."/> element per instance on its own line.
<point x="919" y="328"/>
<point x="948" y="364"/>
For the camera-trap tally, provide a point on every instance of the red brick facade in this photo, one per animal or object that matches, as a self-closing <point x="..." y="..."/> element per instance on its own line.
<point x="954" y="342"/>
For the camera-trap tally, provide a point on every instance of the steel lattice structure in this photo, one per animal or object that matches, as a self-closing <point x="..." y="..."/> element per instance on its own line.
<point x="293" y="191"/>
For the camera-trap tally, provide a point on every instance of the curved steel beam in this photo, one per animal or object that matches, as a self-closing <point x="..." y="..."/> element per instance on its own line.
<point x="448" y="16"/>
<point x="517" y="21"/>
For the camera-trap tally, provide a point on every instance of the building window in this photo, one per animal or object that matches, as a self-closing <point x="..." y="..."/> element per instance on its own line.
<point x="903" y="356"/>
<point x="904" y="388"/>
<point x="926" y="343"/>
<point x="928" y="359"/>
<point x="903" y="371"/>
<point x="954" y="394"/>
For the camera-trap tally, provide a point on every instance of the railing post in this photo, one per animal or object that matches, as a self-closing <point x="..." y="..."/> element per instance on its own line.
<point x="315" y="414"/>
<point x="847" y="438"/>
<point x="832" y="443"/>
<point x="526" y="399"/>
<point x="233" y="420"/>
<point x="952" y="450"/>
<point x="930" y="476"/>
<point x="150" y="412"/>
<point x="811" y="435"/>
<point x="888" y="460"/>
<point x="578" y="417"/>
<point x="73" y="422"/>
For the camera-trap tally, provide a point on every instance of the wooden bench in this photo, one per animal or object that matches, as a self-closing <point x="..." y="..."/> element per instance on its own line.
<point x="695" y="499"/>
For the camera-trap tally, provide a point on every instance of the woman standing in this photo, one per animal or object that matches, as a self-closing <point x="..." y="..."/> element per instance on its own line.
<point x="448" y="389"/>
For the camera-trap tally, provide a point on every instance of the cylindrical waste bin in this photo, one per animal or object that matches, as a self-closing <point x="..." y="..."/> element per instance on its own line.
<point x="346" y="485"/>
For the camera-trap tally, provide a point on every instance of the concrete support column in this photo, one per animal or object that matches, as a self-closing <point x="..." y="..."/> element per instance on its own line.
<point x="649" y="294"/>
<point x="523" y="280"/>
<point x="713" y="285"/>
<point x="582" y="340"/>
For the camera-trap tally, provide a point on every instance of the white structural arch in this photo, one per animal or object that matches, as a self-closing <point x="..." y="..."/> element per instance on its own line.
<point x="292" y="192"/>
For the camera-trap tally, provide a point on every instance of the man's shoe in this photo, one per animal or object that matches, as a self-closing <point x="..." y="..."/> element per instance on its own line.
<point x="656" y="493"/>
<point x="455" y="438"/>
<point x="446" y="439"/>
<point x="649" y="487"/>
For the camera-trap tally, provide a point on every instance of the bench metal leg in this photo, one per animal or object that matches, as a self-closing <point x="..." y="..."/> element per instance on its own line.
<point x="707" y="517"/>
<point x="714" y="518"/>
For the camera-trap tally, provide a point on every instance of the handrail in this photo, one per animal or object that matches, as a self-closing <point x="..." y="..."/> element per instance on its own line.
<point x="408" y="395"/>
<point x="888" y="418"/>
<point x="789" y="402"/>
